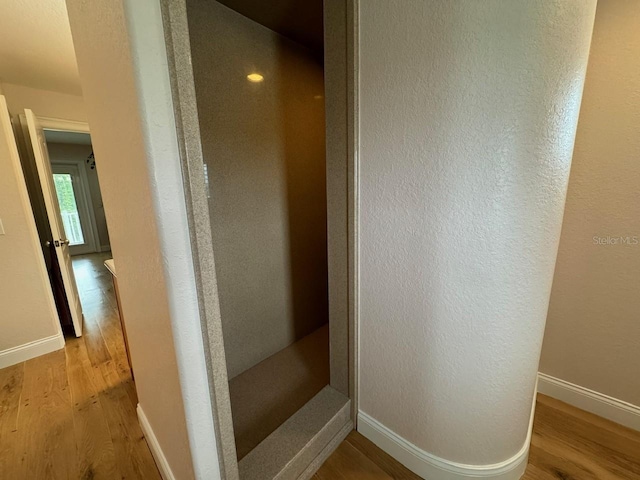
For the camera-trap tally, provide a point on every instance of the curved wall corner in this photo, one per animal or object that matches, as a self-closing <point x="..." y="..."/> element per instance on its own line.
<point x="468" y="113"/>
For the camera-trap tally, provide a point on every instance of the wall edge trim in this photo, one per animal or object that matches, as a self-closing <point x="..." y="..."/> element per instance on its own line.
<point x="154" y="445"/>
<point x="51" y="123"/>
<point x="27" y="351"/>
<point x="428" y="465"/>
<point x="611" y="408"/>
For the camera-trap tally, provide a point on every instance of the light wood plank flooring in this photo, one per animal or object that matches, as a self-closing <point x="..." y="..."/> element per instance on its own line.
<point x="71" y="414"/>
<point x="567" y="444"/>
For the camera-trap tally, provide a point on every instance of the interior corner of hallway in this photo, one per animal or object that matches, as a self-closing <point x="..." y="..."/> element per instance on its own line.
<point x="468" y="113"/>
<point x="593" y="328"/>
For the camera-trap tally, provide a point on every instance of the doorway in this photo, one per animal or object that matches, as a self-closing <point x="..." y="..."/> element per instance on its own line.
<point x="78" y="191"/>
<point x="268" y="209"/>
<point x="64" y="176"/>
<point x="278" y="200"/>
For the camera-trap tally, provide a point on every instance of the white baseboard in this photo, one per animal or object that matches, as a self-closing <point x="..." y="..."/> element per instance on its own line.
<point x="432" y="467"/>
<point x="22" y="353"/>
<point x="154" y="446"/>
<point x="597" y="403"/>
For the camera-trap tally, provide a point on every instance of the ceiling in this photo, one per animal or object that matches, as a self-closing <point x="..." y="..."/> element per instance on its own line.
<point x="298" y="20"/>
<point x="56" y="136"/>
<point x="36" y="49"/>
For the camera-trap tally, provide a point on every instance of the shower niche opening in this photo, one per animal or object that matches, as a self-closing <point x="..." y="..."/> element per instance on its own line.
<point x="270" y="87"/>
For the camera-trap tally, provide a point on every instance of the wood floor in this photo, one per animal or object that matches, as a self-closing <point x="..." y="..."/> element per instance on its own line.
<point x="71" y="414"/>
<point x="567" y="444"/>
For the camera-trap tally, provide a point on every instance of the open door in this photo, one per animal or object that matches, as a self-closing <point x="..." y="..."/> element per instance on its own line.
<point x="59" y="239"/>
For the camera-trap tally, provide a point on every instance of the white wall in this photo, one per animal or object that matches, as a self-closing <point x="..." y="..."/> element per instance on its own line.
<point x="44" y="103"/>
<point x="78" y="154"/>
<point x="28" y="313"/>
<point x="120" y="112"/>
<point x="467" y="120"/>
<point x="593" y="328"/>
<point x="264" y="146"/>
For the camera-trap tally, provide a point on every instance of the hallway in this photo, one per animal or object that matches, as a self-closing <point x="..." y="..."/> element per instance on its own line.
<point x="72" y="413"/>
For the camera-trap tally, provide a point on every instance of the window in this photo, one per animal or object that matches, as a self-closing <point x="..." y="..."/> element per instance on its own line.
<point x="68" y="208"/>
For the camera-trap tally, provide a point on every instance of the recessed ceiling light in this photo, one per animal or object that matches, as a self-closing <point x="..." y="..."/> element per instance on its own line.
<point x="255" y="77"/>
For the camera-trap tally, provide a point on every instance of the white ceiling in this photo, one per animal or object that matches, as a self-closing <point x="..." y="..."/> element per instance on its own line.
<point x="36" y="49"/>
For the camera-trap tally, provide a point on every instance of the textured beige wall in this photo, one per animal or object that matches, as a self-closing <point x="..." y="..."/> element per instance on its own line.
<point x="44" y="103"/>
<point x="593" y="328"/>
<point x="113" y="110"/>
<point x="265" y="153"/>
<point x="468" y="114"/>
<point x="27" y="313"/>
<point x="66" y="152"/>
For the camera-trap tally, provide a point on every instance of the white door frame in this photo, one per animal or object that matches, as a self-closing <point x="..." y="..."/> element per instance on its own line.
<point x="45" y="175"/>
<point x="62" y="125"/>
